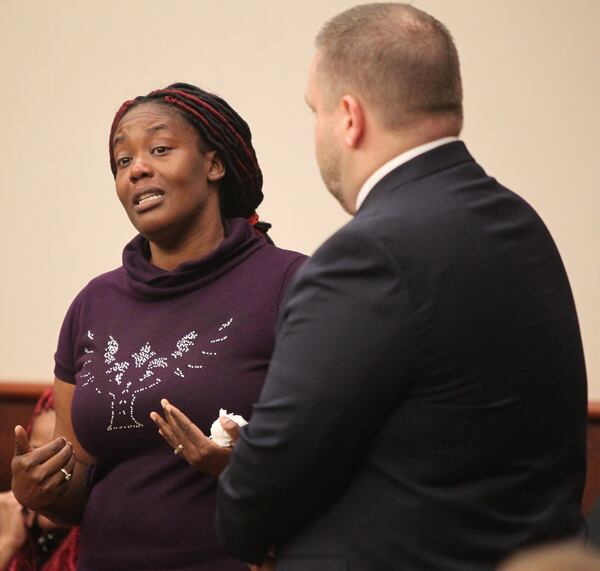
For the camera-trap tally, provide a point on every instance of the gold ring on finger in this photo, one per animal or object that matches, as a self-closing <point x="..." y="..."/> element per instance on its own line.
<point x="68" y="475"/>
<point x="178" y="450"/>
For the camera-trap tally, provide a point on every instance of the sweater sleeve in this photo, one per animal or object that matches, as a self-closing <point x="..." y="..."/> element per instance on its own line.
<point x="288" y="277"/>
<point x="66" y="352"/>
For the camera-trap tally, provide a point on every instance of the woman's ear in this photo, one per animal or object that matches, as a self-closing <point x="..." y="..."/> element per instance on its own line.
<point x="216" y="167"/>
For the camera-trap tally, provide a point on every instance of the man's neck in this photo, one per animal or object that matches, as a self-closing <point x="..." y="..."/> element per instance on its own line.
<point x="384" y="144"/>
<point x="396" y="162"/>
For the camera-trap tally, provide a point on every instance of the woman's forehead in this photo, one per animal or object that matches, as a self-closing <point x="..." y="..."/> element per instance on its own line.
<point x="151" y="117"/>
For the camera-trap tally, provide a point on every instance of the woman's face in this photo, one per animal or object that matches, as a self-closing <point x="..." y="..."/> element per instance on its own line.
<point x="42" y="432"/>
<point x="167" y="185"/>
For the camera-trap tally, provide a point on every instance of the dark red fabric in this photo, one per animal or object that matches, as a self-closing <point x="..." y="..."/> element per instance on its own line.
<point x="64" y="557"/>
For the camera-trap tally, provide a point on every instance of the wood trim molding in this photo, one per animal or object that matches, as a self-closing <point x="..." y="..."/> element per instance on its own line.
<point x="594" y="411"/>
<point x="22" y="390"/>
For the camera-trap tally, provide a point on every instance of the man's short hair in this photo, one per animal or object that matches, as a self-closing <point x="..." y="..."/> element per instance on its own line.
<point x="399" y="58"/>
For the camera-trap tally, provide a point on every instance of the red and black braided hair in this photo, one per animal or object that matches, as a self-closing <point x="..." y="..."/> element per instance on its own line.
<point x="44" y="404"/>
<point x="222" y="129"/>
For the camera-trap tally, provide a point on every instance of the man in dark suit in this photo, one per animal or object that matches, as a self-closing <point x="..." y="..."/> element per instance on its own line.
<point x="425" y="408"/>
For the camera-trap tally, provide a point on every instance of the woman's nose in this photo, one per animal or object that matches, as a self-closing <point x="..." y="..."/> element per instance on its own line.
<point x="140" y="168"/>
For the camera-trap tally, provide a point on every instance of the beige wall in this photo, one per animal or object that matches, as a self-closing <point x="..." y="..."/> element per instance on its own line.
<point x="532" y="98"/>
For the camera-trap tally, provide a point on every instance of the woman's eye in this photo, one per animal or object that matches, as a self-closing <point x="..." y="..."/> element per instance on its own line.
<point x="123" y="161"/>
<point x="160" y="150"/>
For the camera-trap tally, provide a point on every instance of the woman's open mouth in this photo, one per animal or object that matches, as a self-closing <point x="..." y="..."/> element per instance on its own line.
<point x="146" y="199"/>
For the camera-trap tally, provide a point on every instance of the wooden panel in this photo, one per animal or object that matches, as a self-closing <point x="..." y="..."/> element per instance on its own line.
<point x="594" y="411"/>
<point x="17" y="401"/>
<point x="592" y="483"/>
<point x="23" y="391"/>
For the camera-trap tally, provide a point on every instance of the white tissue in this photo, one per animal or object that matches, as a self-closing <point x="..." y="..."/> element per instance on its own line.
<point x="217" y="432"/>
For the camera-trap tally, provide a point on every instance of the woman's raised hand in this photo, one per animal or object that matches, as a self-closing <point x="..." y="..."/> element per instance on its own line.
<point x="189" y="442"/>
<point x="40" y="476"/>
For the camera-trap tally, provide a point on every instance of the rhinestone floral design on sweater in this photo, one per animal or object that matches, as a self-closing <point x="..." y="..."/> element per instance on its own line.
<point x="143" y="371"/>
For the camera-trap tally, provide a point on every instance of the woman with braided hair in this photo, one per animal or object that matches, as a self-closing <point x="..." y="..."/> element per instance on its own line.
<point x="28" y="540"/>
<point x="188" y="319"/>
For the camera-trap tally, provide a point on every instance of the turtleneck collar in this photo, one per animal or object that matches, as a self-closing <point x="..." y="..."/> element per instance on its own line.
<point x="147" y="280"/>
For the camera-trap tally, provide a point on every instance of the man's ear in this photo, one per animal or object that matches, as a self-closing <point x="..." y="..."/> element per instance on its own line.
<point x="353" y="120"/>
<point x="216" y="169"/>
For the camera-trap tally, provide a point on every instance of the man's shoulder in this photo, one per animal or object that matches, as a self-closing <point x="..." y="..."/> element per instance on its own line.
<point x="359" y="238"/>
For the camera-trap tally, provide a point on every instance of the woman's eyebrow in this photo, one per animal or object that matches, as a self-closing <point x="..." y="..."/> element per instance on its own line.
<point x="157" y="127"/>
<point x="152" y="129"/>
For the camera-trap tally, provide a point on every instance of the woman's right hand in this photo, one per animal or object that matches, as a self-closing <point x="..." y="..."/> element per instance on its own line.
<point x="38" y="481"/>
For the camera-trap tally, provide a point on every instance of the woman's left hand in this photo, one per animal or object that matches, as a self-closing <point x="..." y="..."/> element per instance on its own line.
<point x="189" y="442"/>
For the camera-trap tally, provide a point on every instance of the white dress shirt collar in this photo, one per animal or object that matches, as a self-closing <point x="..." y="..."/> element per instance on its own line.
<point x="396" y="162"/>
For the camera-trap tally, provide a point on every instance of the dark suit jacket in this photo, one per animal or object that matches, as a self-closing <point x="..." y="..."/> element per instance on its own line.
<point x="425" y="408"/>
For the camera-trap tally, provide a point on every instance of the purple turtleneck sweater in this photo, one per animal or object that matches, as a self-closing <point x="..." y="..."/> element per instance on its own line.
<point x="200" y="336"/>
